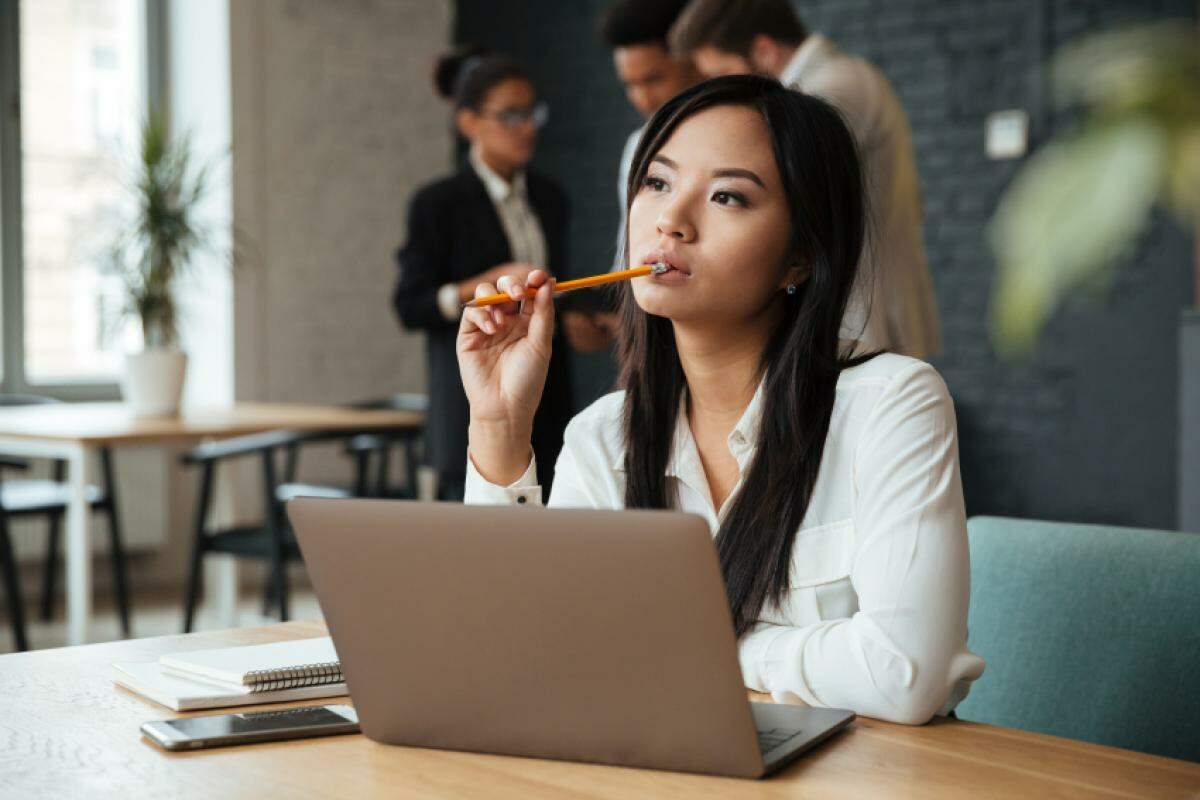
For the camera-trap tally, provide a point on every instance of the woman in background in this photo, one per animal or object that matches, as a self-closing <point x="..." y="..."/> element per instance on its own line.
<point x="493" y="217"/>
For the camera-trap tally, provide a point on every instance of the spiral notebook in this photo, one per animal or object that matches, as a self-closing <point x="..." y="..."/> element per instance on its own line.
<point x="229" y="676"/>
<point x="260" y="667"/>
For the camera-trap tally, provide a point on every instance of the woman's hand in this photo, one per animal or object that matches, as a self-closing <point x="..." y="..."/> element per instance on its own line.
<point x="503" y="356"/>
<point x="517" y="269"/>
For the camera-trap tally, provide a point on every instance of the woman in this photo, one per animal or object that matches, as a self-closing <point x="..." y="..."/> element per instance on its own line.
<point x="491" y="218"/>
<point x="830" y="480"/>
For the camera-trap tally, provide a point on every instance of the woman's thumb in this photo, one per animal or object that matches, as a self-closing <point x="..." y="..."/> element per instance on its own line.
<point x="541" y="324"/>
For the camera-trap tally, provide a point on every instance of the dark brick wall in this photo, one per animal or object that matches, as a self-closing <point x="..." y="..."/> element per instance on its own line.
<point x="1086" y="429"/>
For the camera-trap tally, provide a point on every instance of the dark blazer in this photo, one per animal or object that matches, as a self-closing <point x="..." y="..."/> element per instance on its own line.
<point x="455" y="233"/>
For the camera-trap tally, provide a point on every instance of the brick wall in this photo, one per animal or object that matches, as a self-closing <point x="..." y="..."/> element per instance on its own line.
<point x="1086" y="429"/>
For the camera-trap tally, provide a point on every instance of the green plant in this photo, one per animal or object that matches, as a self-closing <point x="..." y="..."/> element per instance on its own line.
<point x="155" y="249"/>
<point x="1082" y="200"/>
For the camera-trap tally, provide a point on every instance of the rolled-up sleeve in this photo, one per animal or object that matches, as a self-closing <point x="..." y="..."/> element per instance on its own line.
<point x="902" y="656"/>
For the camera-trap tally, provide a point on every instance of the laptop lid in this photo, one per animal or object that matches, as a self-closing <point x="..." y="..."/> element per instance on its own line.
<point x="573" y="634"/>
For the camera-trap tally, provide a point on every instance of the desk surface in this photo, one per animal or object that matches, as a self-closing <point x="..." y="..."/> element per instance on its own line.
<point x="67" y="731"/>
<point x="112" y="423"/>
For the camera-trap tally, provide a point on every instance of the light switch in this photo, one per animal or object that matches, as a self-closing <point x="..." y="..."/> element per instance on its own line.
<point x="1007" y="134"/>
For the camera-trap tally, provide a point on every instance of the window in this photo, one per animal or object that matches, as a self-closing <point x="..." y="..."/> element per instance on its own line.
<point x="80" y="89"/>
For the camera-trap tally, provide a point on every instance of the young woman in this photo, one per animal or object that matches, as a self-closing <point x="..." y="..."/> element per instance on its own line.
<point x="491" y="218"/>
<point x="830" y="479"/>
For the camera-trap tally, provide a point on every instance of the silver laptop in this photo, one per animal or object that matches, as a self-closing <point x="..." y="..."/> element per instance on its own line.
<point x="598" y="636"/>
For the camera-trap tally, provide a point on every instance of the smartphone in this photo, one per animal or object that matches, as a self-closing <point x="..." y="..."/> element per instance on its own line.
<point x="191" y="733"/>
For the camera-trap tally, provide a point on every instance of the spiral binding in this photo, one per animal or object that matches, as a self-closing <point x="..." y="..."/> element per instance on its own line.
<point x="269" y="680"/>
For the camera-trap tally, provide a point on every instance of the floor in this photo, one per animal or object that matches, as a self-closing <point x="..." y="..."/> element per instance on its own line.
<point x="153" y="615"/>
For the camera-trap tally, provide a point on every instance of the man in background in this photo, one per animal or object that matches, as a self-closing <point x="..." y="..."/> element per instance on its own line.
<point x="635" y="31"/>
<point x="893" y="306"/>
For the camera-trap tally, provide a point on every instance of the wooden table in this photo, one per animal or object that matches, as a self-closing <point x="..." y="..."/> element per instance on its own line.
<point x="67" y="731"/>
<point x="74" y="432"/>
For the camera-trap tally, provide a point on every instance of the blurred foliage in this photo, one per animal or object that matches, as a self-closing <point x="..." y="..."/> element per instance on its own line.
<point x="1080" y="202"/>
<point x="154" y="249"/>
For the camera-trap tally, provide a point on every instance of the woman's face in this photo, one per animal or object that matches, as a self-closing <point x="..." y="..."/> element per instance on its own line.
<point x="712" y="206"/>
<point x="501" y="140"/>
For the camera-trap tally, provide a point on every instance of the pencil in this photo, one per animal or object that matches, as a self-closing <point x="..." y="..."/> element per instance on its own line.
<point x="568" y="286"/>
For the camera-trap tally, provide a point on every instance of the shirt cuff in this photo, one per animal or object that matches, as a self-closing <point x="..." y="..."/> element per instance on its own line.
<point x="769" y="657"/>
<point x="447" y="302"/>
<point x="524" y="491"/>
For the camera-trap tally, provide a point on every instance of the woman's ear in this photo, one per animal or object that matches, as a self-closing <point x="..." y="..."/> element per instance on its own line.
<point x="467" y="122"/>
<point x="796" y="274"/>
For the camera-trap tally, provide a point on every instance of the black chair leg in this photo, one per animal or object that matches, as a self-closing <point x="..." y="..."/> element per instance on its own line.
<point x="16" y="608"/>
<point x="274" y="521"/>
<point x="118" y="549"/>
<point x="50" y="570"/>
<point x="198" y="548"/>
<point x="268" y="598"/>
<point x="410" y="466"/>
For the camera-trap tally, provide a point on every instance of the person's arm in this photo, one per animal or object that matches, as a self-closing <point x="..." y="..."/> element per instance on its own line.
<point x="901" y="654"/>
<point x="424" y="268"/>
<point x="572" y="486"/>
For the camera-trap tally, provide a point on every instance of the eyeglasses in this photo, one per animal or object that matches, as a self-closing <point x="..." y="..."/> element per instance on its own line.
<point x="516" y="117"/>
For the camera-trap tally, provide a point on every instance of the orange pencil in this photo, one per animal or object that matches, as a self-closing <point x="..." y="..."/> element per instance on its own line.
<point x="567" y="286"/>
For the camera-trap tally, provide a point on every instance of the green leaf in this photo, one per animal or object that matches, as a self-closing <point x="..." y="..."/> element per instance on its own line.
<point x="1074" y="209"/>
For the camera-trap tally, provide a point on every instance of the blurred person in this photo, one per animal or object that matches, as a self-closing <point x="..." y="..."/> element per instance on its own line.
<point x="493" y="217"/>
<point x="894" y="306"/>
<point x="635" y="31"/>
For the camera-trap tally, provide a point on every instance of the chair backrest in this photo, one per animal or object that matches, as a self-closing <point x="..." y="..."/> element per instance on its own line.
<point x="26" y="400"/>
<point x="396" y="402"/>
<point x="1089" y="632"/>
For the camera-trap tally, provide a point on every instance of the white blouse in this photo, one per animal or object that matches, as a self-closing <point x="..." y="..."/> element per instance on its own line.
<point x="875" y="619"/>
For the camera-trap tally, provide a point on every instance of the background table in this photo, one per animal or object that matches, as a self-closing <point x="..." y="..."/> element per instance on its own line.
<point x="74" y="432"/>
<point x="67" y="731"/>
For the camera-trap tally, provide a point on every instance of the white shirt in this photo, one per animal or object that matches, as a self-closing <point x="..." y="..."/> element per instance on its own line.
<point x="875" y="620"/>
<point x="526" y="241"/>
<point x="898" y="306"/>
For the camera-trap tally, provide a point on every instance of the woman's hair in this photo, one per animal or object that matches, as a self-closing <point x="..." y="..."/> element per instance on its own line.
<point x="466" y="75"/>
<point x="819" y="167"/>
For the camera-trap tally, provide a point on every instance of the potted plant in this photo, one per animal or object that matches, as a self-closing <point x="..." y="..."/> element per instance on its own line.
<point x="1084" y="198"/>
<point x="152" y="252"/>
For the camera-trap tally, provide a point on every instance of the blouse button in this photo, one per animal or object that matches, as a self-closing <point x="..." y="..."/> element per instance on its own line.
<point x="521" y="499"/>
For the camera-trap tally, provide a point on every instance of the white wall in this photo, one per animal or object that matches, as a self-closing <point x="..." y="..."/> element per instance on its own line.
<point x="334" y="125"/>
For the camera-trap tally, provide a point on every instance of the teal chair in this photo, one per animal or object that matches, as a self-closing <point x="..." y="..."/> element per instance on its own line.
<point x="1089" y="632"/>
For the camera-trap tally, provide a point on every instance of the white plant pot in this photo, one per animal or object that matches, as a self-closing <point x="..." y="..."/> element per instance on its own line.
<point x="153" y="382"/>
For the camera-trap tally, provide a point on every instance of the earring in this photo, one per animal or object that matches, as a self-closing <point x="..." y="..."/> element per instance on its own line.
<point x="791" y="288"/>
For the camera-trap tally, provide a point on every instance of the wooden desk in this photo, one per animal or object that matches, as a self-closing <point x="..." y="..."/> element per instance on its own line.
<point x="74" y="432"/>
<point x="67" y="731"/>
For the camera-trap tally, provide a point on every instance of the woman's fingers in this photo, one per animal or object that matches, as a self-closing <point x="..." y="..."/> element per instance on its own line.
<point x="481" y="318"/>
<point x="511" y="286"/>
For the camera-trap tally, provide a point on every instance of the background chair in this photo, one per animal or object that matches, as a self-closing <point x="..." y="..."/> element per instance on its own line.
<point x="1089" y="632"/>
<point x="33" y="497"/>
<point x="272" y="541"/>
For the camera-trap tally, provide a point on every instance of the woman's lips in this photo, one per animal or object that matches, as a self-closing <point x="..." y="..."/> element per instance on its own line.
<point x="672" y="275"/>
<point x="676" y="271"/>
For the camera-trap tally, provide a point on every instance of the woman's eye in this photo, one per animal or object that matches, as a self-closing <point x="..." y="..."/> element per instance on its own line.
<point x="728" y="198"/>
<point x="656" y="184"/>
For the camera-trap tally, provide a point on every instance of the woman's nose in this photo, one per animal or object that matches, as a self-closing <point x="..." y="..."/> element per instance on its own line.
<point x="674" y="222"/>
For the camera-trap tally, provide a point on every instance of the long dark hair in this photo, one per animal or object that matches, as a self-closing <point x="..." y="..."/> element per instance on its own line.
<point x="819" y="166"/>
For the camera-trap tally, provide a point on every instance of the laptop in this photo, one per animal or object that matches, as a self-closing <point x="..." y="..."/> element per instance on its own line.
<point x="584" y="635"/>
